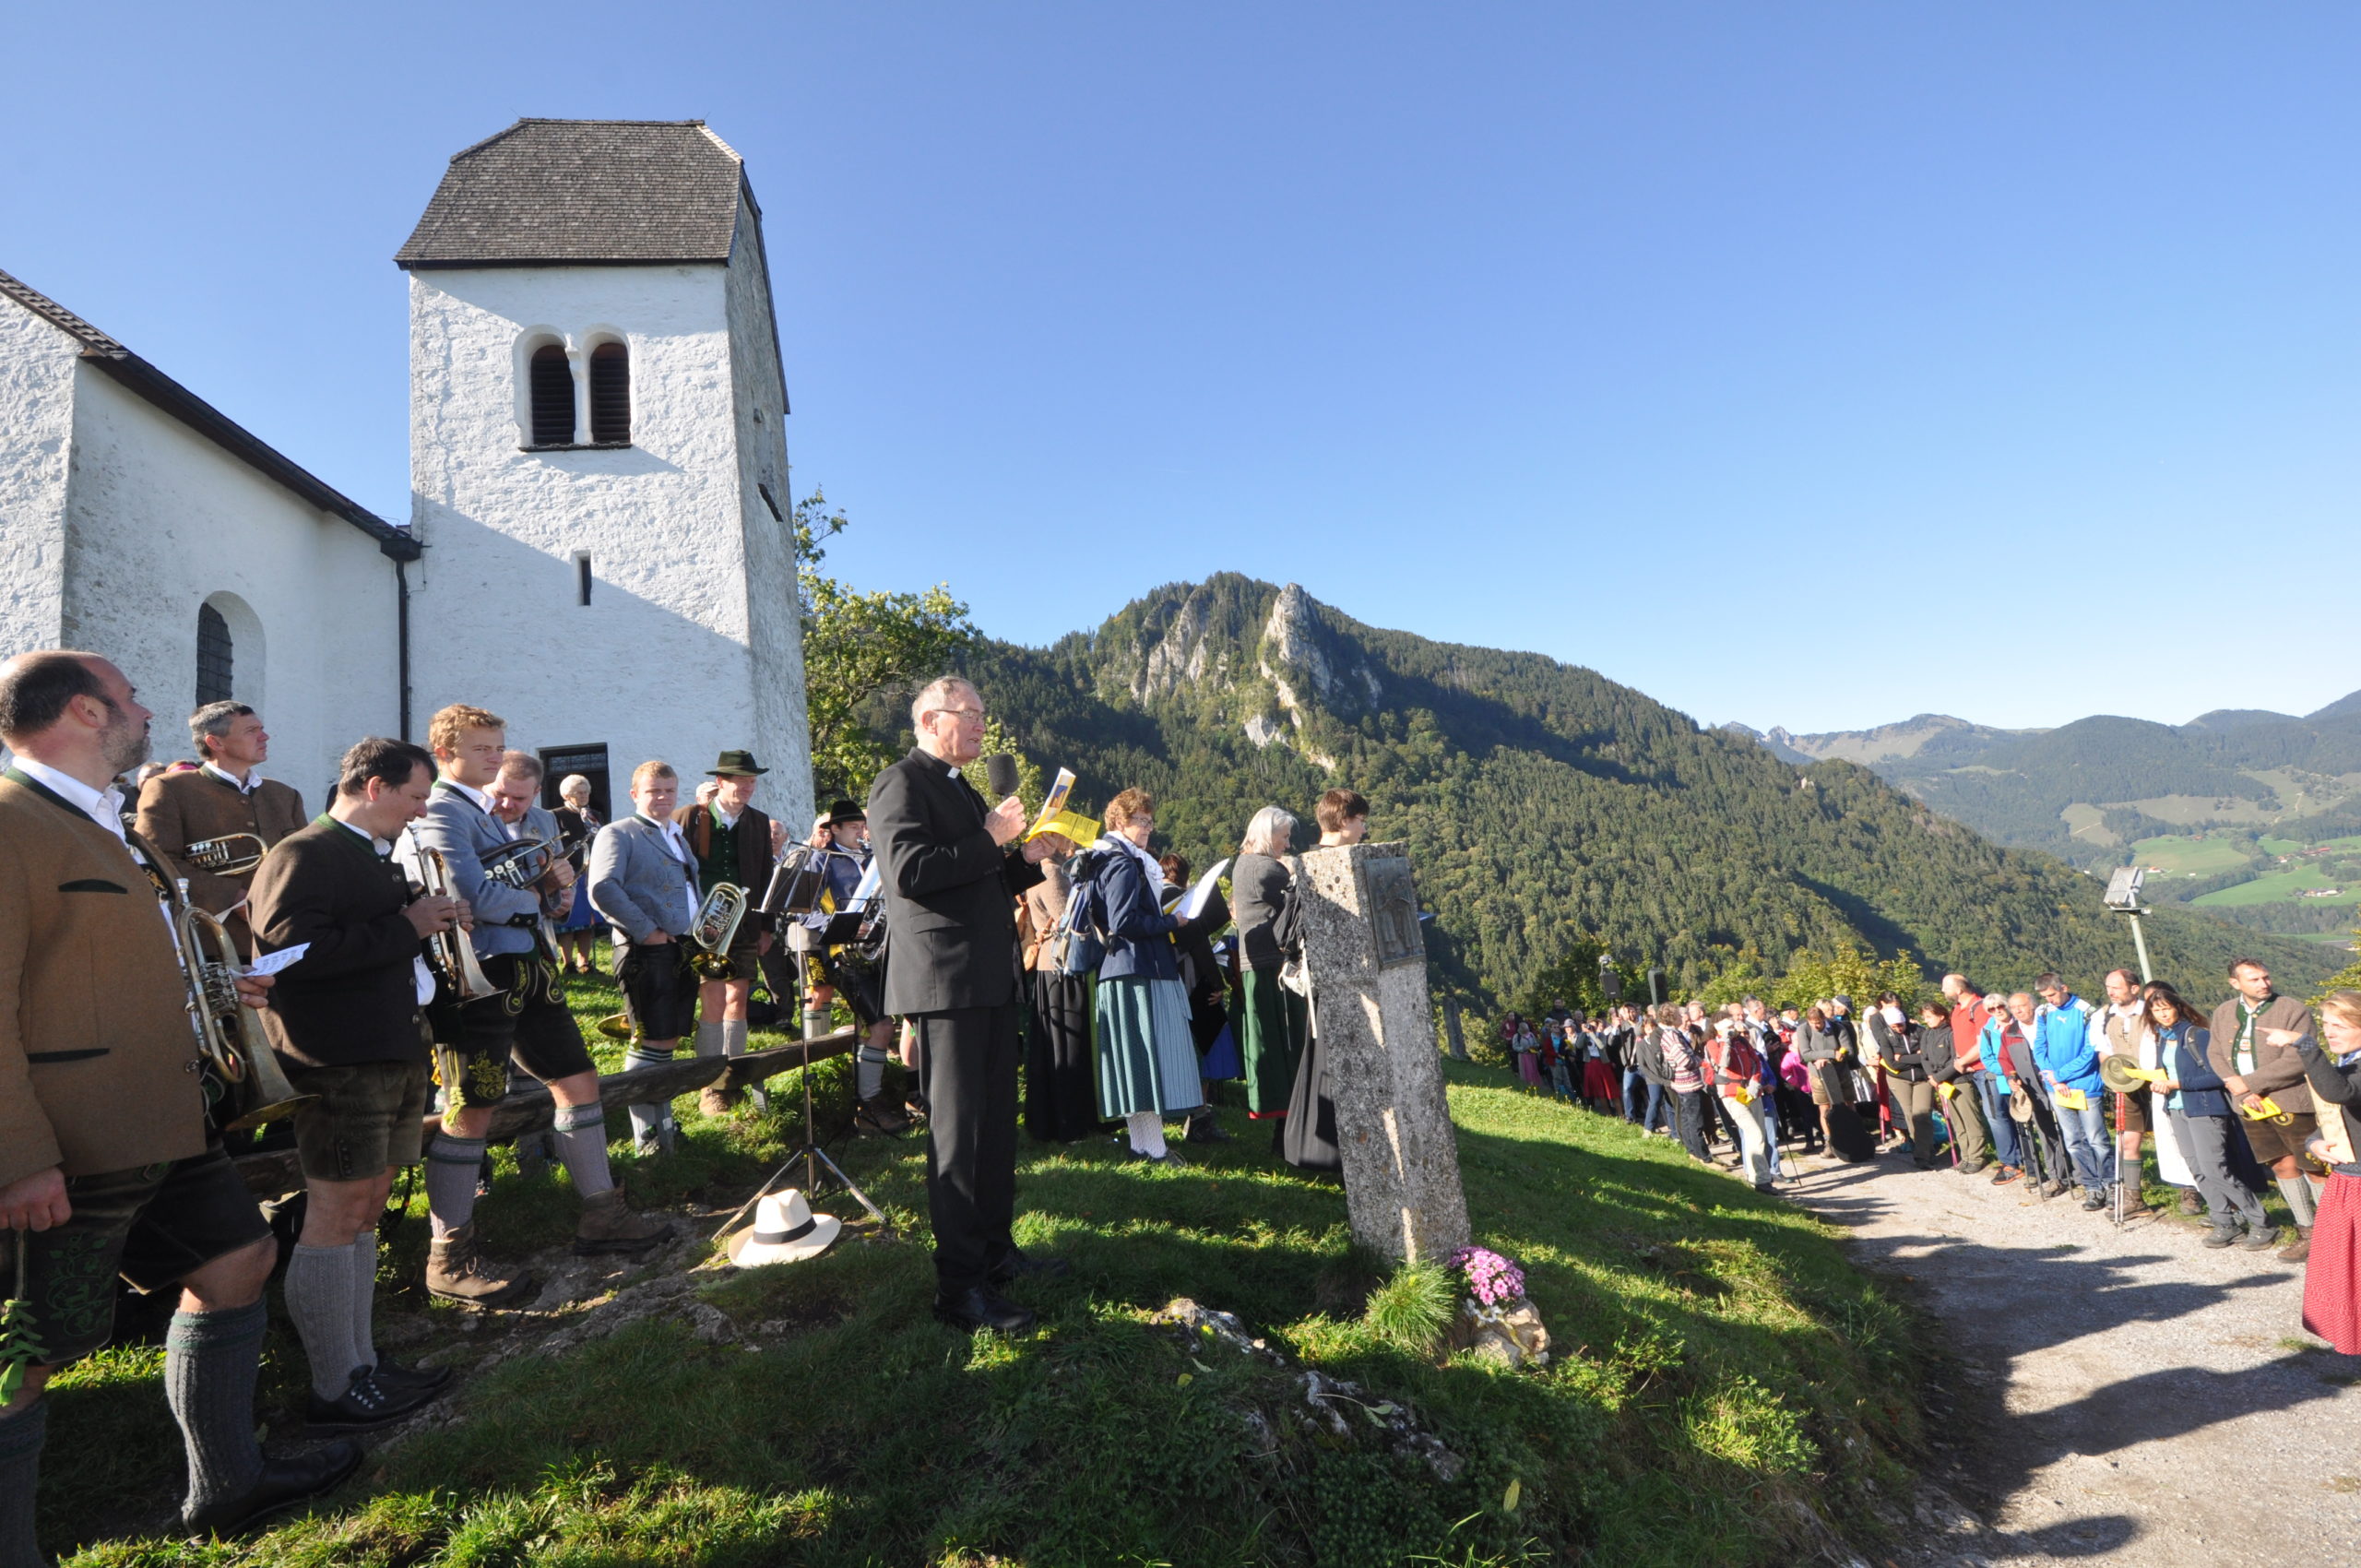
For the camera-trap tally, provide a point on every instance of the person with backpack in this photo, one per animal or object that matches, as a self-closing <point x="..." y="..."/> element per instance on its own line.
<point x="1147" y="1057"/>
<point x="1735" y="1069"/>
<point x="1061" y="1089"/>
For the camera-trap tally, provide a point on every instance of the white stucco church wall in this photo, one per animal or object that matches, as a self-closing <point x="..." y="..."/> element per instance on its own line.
<point x="661" y="662"/>
<point x="127" y="502"/>
<point x="118" y="520"/>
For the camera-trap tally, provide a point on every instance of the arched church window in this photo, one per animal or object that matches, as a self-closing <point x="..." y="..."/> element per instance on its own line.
<point x="552" y="394"/>
<point x="610" y="395"/>
<point x="213" y="656"/>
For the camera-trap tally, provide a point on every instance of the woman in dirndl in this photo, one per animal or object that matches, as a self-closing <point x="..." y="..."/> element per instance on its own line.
<point x="2332" y="1272"/>
<point x="1271" y="1017"/>
<point x="1147" y="1059"/>
<point x="577" y="934"/>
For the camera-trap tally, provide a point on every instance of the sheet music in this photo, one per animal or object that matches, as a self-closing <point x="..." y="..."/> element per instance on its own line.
<point x="1055" y="801"/>
<point x="1203" y="893"/>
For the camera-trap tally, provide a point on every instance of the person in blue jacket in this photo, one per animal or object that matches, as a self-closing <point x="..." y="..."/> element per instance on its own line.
<point x="1147" y="1058"/>
<point x="2197" y="1107"/>
<point x="2070" y="1068"/>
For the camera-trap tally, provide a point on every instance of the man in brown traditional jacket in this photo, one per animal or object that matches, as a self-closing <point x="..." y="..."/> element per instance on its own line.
<point x="106" y="1160"/>
<point x="225" y="796"/>
<point x="2254" y="1050"/>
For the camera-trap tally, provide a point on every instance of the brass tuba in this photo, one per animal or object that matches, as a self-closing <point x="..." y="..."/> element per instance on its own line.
<point x="450" y="952"/>
<point x="233" y="854"/>
<point x="230" y="1031"/>
<point x="2123" y="1074"/>
<point x="716" y="925"/>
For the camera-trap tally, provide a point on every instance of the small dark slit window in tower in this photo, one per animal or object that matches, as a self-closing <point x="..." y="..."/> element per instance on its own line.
<point x="552" y="386"/>
<point x="582" y="580"/>
<point x="611" y="394"/>
<point x="212" y="656"/>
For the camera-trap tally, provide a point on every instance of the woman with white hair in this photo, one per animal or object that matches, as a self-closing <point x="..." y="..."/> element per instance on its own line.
<point x="577" y="934"/>
<point x="1270" y="1026"/>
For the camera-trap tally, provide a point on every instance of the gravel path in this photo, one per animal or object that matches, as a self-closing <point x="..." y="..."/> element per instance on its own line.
<point x="2125" y="1398"/>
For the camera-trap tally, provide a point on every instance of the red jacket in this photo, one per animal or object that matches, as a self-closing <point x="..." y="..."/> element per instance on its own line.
<point x="1967" y="1032"/>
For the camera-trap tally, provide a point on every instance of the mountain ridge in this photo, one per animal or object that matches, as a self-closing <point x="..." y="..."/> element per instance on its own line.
<point x="1545" y="806"/>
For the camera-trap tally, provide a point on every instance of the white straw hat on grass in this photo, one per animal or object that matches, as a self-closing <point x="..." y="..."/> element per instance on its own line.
<point x="785" y="1231"/>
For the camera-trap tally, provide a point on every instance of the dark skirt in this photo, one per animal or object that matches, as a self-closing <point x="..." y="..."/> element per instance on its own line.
<point x="1270" y="1040"/>
<point x="1146" y="1054"/>
<point x="1309" y="1140"/>
<point x="1060" y="1093"/>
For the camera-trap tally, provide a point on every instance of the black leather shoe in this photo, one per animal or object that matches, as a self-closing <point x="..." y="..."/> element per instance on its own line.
<point x="1206" y="1129"/>
<point x="979" y="1307"/>
<point x="365" y="1405"/>
<point x="395" y="1377"/>
<point x="1016" y="1265"/>
<point x="284" y="1483"/>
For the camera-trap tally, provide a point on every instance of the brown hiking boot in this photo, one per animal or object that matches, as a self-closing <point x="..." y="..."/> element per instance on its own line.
<point x="457" y="1272"/>
<point x="2300" y="1249"/>
<point x="608" y="1226"/>
<point x="2189" y="1204"/>
<point x="714" y="1100"/>
<point x="878" y="1118"/>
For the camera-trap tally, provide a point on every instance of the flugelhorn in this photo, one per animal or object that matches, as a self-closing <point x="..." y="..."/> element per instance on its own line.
<point x="233" y="854"/>
<point x="2123" y="1074"/>
<point x="228" y="1031"/>
<point x="521" y="862"/>
<point x="450" y="952"/>
<point x="716" y="925"/>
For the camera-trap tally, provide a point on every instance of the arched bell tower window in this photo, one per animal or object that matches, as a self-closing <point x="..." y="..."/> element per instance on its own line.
<point x="553" y="397"/>
<point x="213" y="656"/>
<point x="610" y="395"/>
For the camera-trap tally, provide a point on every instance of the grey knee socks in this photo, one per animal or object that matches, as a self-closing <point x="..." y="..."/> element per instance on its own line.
<point x="451" y="1168"/>
<point x="869" y="1071"/>
<point x="816" y="1021"/>
<point x="319" y="1297"/>
<point x="2298" y="1193"/>
<point x="733" y="1037"/>
<point x="211" y="1361"/>
<point x="21" y="1436"/>
<point x="710" y="1040"/>
<point x="364" y="1299"/>
<point x="648" y="1119"/>
<point x="582" y="1143"/>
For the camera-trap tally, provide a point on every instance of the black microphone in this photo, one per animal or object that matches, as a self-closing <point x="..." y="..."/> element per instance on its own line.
<point x="999" y="772"/>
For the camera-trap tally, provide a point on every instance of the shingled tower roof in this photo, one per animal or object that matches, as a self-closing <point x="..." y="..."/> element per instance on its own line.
<point x="584" y="192"/>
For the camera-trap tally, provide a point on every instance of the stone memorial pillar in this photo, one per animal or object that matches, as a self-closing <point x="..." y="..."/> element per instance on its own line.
<point x="1451" y="1030"/>
<point x="1375" y="1027"/>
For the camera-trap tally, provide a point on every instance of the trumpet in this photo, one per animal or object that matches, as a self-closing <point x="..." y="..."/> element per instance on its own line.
<point x="2123" y="1074"/>
<point x="716" y="925"/>
<point x="450" y="952"/>
<point x="233" y="854"/>
<point x="228" y="1031"/>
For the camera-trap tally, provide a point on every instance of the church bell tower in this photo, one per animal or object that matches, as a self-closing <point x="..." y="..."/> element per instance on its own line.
<point x="598" y="470"/>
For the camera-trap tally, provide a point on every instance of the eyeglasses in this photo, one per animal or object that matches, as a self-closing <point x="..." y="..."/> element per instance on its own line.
<point x="975" y="713"/>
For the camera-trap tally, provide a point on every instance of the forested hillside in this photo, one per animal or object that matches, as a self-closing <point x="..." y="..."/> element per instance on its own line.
<point x="1545" y="804"/>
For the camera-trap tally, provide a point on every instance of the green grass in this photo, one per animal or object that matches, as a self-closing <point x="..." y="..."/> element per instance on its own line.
<point x="2281" y="886"/>
<point x="2182" y="856"/>
<point x="1718" y="1363"/>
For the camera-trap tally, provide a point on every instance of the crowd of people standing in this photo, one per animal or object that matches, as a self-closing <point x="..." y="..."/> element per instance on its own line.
<point x="2237" y="1101"/>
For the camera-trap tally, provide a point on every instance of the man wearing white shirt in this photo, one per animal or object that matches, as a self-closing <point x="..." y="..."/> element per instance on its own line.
<point x="225" y="796"/>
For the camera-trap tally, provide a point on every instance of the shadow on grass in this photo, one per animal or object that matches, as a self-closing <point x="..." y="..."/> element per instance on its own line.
<point x="1719" y="1361"/>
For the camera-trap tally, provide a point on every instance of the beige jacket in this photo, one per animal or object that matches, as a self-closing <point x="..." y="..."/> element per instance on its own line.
<point x="180" y="809"/>
<point x="2278" y="1069"/>
<point x="99" y="1065"/>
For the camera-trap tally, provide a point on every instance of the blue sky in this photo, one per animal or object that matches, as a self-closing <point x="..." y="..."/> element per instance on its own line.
<point x="1802" y="363"/>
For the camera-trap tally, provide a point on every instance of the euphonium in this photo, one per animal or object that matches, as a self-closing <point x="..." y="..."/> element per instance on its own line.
<point x="450" y="952"/>
<point x="2123" y="1074"/>
<point x="228" y="1030"/>
<point x="233" y="854"/>
<point x="716" y="924"/>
